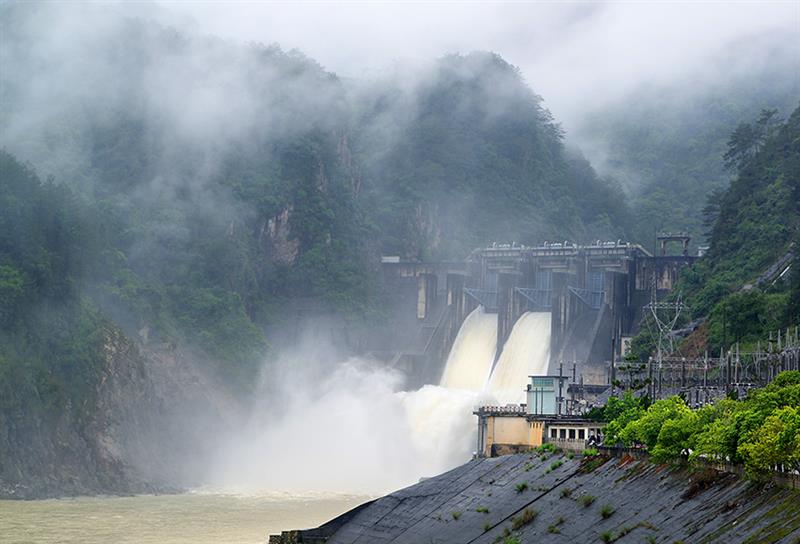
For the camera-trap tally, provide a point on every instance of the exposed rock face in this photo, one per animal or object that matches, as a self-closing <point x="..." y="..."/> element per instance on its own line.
<point x="486" y="501"/>
<point x="150" y="427"/>
<point x="281" y="247"/>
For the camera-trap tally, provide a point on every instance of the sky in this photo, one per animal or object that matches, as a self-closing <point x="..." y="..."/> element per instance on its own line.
<point x="569" y="52"/>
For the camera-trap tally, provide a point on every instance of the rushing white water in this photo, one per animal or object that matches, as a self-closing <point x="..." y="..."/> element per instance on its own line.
<point x="471" y="357"/>
<point x="346" y="427"/>
<point x="525" y="353"/>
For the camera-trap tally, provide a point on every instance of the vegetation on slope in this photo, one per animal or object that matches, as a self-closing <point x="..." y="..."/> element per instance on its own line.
<point x="753" y="224"/>
<point x="476" y="158"/>
<point x="761" y="431"/>
<point x="665" y="143"/>
<point x="50" y="336"/>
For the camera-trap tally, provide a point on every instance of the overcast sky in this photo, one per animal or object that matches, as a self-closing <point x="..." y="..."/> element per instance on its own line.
<point x="569" y="52"/>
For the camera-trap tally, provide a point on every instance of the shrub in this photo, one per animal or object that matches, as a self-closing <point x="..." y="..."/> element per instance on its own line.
<point x="456" y="515"/>
<point x="486" y="527"/>
<point x="526" y="517"/>
<point x="591" y="452"/>
<point x="607" y="511"/>
<point x="521" y="487"/>
<point x="566" y="493"/>
<point x="482" y="510"/>
<point x="556" y="465"/>
<point x="586" y="500"/>
<point x="553" y="529"/>
<point x="607" y="537"/>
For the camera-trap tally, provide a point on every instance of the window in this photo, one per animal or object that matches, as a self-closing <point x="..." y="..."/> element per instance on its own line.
<point x="572" y="434"/>
<point x="582" y="434"/>
<point x="553" y="433"/>
<point x="562" y="433"/>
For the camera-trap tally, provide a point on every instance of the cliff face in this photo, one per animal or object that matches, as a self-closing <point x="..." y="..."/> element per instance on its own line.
<point x="526" y="498"/>
<point x="145" y="429"/>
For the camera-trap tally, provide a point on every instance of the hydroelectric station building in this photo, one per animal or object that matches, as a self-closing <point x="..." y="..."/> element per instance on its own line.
<point x="594" y="295"/>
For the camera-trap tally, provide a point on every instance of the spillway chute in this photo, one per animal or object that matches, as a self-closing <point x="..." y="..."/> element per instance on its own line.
<point x="470" y="360"/>
<point x="525" y="353"/>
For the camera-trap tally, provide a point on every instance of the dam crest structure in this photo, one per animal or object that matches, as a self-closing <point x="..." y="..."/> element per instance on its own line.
<point x="509" y="311"/>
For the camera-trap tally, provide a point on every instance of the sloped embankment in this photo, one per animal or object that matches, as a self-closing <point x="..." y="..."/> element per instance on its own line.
<point x="538" y="499"/>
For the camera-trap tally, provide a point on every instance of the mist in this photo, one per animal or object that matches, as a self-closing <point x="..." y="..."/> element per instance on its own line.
<point x="578" y="55"/>
<point x="343" y="425"/>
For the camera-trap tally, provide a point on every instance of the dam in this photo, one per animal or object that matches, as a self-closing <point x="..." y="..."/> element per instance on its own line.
<point x="509" y="311"/>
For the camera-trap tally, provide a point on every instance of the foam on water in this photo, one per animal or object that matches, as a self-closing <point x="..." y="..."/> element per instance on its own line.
<point x="525" y="353"/>
<point x="471" y="357"/>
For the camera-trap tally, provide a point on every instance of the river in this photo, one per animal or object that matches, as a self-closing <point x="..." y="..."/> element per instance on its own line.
<point x="191" y="518"/>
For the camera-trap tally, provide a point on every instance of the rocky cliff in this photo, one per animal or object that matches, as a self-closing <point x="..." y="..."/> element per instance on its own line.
<point x="149" y="427"/>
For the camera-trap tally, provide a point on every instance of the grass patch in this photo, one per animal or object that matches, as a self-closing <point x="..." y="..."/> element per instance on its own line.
<point x="700" y="481"/>
<point x="482" y="510"/>
<point x="607" y="537"/>
<point x="553" y="529"/>
<point x="526" y="517"/>
<point x="528" y="466"/>
<point x="591" y="452"/>
<point x="566" y="492"/>
<point x="590" y="464"/>
<point x="521" y="487"/>
<point x="607" y="511"/>
<point x="456" y="515"/>
<point x="586" y="500"/>
<point x="556" y="465"/>
<point x="486" y="527"/>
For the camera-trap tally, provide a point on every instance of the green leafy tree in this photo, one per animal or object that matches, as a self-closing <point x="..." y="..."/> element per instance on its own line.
<point x="775" y="442"/>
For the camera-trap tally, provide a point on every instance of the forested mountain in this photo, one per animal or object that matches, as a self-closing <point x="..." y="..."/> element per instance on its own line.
<point x="747" y="286"/>
<point x="195" y="188"/>
<point x="229" y="178"/>
<point x="754" y="224"/>
<point x="665" y="142"/>
<point x="475" y="157"/>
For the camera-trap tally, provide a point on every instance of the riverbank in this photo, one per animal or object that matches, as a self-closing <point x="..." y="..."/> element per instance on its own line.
<point x="536" y="497"/>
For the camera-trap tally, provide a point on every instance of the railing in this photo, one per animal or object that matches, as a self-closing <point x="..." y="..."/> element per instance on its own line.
<point x="593" y="299"/>
<point x="537" y="298"/>
<point x="488" y="299"/>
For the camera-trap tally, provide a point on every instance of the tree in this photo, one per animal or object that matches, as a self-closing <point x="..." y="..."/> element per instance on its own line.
<point x="646" y="429"/>
<point x="776" y="442"/>
<point x="12" y="288"/>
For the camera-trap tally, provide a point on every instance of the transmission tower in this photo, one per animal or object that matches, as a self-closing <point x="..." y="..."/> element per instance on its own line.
<point x="665" y="315"/>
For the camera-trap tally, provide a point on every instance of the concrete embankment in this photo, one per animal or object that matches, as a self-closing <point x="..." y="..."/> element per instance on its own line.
<point x="536" y="498"/>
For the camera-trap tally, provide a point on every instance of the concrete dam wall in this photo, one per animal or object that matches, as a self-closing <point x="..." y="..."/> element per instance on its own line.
<point x="594" y="295"/>
<point x="556" y="499"/>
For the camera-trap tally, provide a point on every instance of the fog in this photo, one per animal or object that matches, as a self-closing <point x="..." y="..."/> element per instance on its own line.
<point x="345" y="425"/>
<point x="577" y="55"/>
